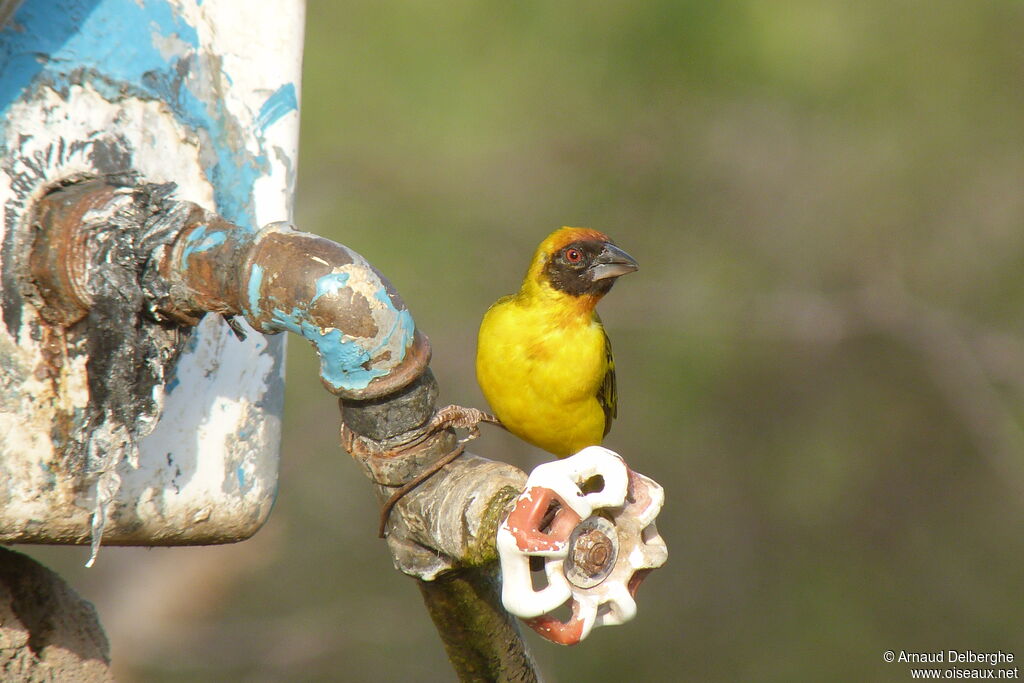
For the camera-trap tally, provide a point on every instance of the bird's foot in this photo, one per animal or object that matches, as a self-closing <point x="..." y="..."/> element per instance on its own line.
<point x="460" y="417"/>
<point x="449" y="417"/>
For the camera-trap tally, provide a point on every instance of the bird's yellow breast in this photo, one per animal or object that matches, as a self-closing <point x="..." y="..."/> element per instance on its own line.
<point x="540" y="365"/>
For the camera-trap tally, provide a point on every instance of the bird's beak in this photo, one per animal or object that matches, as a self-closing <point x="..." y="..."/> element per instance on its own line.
<point x="611" y="262"/>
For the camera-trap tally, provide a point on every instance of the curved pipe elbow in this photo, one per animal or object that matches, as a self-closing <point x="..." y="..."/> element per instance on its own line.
<point x="283" y="280"/>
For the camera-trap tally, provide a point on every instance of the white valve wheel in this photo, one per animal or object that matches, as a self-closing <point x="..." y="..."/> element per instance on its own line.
<point x="589" y="521"/>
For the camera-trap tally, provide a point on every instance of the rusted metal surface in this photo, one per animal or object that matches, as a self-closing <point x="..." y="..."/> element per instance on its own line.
<point x="106" y="351"/>
<point x="443" y="531"/>
<point x="59" y="254"/>
<point x="592" y="554"/>
<point x="281" y="279"/>
<point x="91" y="247"/>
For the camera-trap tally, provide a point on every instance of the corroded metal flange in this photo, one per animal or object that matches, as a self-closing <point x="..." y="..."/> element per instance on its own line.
<point x="59" y="257"/>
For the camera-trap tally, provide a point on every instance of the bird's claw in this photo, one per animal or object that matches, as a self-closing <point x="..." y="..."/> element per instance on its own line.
<point x="449" y="417"/>
<point x="459" y="417"/>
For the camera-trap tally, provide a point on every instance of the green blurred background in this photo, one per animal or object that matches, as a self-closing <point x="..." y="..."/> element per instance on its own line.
<point x="821" y="358"/>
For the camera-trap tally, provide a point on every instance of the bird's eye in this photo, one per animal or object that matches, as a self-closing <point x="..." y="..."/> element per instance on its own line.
<point x="573" y="255"/>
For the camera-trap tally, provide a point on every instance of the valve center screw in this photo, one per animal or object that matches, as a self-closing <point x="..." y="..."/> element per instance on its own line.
<point x="592" y="552"/>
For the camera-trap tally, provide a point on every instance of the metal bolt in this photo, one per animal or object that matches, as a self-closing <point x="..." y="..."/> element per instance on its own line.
<point x="592" y="552"/>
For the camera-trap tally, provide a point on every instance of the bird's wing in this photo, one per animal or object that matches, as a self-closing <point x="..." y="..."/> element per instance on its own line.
<point x="607" y="395"/>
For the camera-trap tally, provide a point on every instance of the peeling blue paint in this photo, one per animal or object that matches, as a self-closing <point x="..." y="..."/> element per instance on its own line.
<point x="406" y="327"/>
<point x="198" y="241"/>
<point x="146" y="50"/>
<point x="235" y="174"/>
<point x="329" y="284"/>
<point x="190" y="347"/>
<point x="107" y="36"/>
<point x="246" y="431"/>
<point x="277" y="105"/>
<point x="255" y="283"/>
<point x="404" y="324"/>
<point x="342" y="362"/>
<point x="240" y="473"/>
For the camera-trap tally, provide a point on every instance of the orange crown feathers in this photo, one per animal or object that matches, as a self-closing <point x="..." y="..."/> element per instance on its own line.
<point x="565" y="236"/>
<point x="557" y="240"/>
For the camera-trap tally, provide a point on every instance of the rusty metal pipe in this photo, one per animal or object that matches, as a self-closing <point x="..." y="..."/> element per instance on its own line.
<point x="443" y="531"/>
<point x="59" y="258"/>
<point x="279" y="279"/>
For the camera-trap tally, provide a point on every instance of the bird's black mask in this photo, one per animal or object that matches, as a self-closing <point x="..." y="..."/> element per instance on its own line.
<point x="587" y="267"/>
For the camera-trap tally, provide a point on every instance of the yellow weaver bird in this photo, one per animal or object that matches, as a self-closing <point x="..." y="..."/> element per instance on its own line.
<point x="543" y="359"/>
